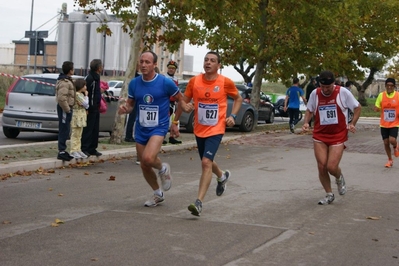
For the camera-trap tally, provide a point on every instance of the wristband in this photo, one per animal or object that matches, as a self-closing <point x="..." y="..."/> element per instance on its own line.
<point x="233" y="116"/>
<point x="175" y="122"/>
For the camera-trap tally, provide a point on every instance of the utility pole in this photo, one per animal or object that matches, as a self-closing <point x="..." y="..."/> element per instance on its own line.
<point x="29" y="44"/>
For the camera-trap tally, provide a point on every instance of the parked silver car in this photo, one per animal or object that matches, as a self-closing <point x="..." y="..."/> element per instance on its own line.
<point x="245" y="117"/>
<point x="31" y="106"/>
<point x="115" y="87"/>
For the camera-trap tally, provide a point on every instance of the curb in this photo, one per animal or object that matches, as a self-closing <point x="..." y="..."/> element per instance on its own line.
<point x="53" y="163"/>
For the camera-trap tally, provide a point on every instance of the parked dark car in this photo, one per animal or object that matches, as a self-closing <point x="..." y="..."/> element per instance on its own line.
<point x="31" y="106"/>
<point x="266" y="108"/>
<point x="245" y="117"/>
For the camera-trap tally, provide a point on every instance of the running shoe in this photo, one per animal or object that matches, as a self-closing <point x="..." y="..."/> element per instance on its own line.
<point x="195" y="208"/>
<point x="329" y="198"/>
<point x="341" y="185"/>
<point x="154" y="201"/>
<point x="165" y="177"/>
<point x="396" y="151"/>
<point x="82" y="154"/>
<point x="221" y="186"/>
<point x="76" y="155"/>
<point x="389" y="164"/>
<point x="292" y="127"/>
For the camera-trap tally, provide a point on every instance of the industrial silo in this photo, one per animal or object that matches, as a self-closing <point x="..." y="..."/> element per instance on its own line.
<point x="96" y="42"/>
<point x="80" y="47"/>
<point x="97" y="16"/>
<point x="64" y="43"/>
<point x="112" y="46"/>
<point x="77" y="16"/>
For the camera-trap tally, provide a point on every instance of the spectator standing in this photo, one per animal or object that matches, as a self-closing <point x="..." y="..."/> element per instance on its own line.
<point x="311" y="87"/>
<point x="209" y="92"/>
<point x="292" y="99"/>
<point x="92" y="130"/>
<point x="387" y="104"/>
<point x="348" y="85"/>
<point x="79" y="118"/>
<point x="65" y="97"/>
<point x="172" y="67"/>
<point x="151" y="92"/>
<point x="329" y="104"/>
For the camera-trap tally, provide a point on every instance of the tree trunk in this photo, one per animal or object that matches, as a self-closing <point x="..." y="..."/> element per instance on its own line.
<point x="261" y="64"/>
<point x="118" y="130"/>
<point x="361" y="89"/>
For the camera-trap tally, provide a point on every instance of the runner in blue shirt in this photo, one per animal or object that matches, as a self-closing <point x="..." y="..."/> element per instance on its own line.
<point x="149" y="94"/>
<point x="292" y="98"/>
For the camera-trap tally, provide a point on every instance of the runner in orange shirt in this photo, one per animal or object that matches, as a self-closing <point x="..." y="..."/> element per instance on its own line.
<point x="209" y="92"/>
<point x="388" y="104"/>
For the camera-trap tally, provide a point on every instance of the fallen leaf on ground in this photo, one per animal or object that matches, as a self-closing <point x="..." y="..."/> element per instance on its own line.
<point x="6" y="222"/>
<point x="60" y="195"/>
<point x="58" y="221"/>
<point x="50" y="189"/>
<point x="373" y="217"/>
<point x="111" y="178"/>
<point x="54" y="225"/>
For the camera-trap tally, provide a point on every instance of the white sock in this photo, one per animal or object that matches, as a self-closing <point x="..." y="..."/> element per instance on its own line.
<point x="158" y="192"/>
<point x="163" y="169"/>
<point x="222" y="178"/>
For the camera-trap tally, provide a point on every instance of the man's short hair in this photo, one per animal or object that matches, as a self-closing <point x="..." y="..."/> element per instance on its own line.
<point x="154" y="55"/>
<point x="95" y="64"/>
<point x="348" y="83"/>
<point x="66" y="67"/>
<point x="295" y="80"/>
<point x="217" y="55"/>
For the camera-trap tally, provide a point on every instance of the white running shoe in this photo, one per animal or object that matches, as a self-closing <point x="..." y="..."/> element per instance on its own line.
<point x="154" y="201"/>
<point x="165" y="177"/>
<point x="76" y="155"/>
<point x="327" y="200"/>
<point x="82" y="155"/>
<point x="341" y="185"/>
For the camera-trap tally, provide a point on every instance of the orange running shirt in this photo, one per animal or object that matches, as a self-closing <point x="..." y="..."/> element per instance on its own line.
<point x="389" y="105"/>
<point x="210" y="100"/>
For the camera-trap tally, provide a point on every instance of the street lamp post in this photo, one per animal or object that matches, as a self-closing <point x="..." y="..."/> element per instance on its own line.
<point x="30" y="29"/>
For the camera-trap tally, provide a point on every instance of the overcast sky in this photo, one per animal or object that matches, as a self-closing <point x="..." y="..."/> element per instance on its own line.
<point x="15" y="19"/>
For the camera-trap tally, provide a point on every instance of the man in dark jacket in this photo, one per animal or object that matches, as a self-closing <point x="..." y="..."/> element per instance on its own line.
<point x="91" y="131"/>
<point x="65" y="97"/>
<point x="311" y="86"/>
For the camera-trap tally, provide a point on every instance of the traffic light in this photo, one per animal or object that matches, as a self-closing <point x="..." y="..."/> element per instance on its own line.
<point x="39" y="46"/>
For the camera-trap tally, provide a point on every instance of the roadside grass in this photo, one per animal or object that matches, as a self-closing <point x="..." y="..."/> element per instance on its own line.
<point x="5" y="82"/>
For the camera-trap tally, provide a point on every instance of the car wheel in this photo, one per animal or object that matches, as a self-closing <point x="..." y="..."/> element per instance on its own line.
<point x="190" y="124"/>
<point x="271" y="118"/>
<point x="10" y="133"/>
<point x="247" y="123"/>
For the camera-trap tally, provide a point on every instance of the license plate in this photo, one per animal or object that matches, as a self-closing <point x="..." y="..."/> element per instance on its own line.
<point x="29" y="124"/>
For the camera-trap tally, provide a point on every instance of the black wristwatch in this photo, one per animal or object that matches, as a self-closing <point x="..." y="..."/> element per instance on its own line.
<point x="233" y="116"/>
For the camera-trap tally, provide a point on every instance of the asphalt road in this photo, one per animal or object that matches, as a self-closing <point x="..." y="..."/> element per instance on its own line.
<point x="267" y="216"/>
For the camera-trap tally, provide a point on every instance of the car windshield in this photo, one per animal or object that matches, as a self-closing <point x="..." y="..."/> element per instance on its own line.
<point x="112" y="83"/>
<point x="31" y="87"/>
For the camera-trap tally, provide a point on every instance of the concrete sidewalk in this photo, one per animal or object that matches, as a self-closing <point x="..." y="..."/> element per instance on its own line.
<point x="267" y="216"/>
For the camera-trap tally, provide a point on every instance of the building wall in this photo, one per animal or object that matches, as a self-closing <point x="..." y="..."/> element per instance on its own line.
<point x="48" y="60"/>
<point x="7" y="54"/>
